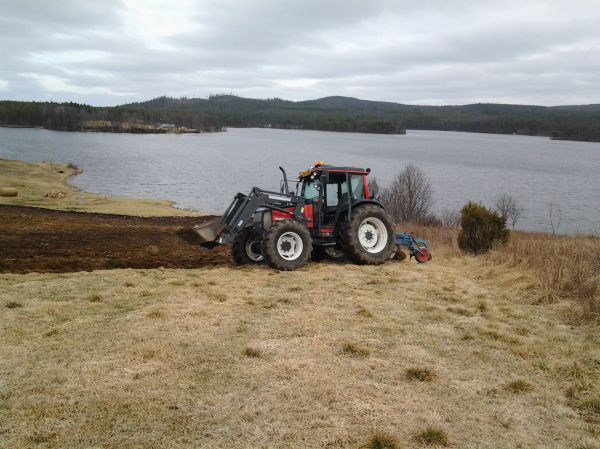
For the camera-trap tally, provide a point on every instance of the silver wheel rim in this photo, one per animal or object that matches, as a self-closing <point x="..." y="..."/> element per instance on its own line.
<point x="290" y="246"/>
<point x="253" y="250"/>
<point x="373" y="235"/>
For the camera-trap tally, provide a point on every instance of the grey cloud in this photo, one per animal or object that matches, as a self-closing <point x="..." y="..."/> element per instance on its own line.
<point x="430" y="52"/>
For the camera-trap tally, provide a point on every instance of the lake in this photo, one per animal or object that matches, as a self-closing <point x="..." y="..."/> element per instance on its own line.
<point x="204" y="171"/>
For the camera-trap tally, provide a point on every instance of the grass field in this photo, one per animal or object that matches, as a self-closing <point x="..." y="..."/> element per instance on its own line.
<point x="460" y="352"/>
<point x="326" y="356"/>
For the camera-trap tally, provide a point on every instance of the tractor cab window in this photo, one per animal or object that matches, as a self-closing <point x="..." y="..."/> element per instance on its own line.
<point x="357" y="183"/>
<point x="336" y="190"/>
<point x="311" y="189"/>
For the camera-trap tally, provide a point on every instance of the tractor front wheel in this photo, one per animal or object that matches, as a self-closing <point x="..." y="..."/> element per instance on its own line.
<point x="287" y="245"/>
<point x="247" y="248"/>
<point x="368" y="238"/>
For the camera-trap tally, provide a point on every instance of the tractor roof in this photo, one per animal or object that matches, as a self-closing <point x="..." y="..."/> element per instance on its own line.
<point x="322" y="166"/>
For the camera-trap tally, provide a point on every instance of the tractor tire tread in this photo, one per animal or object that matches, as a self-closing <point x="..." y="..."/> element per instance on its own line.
<point x="238" y="249"/>
<point x="349" y="235"/>
<point x="270" y="245"/>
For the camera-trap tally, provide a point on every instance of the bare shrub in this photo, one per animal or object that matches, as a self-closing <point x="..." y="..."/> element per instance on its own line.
<point x="409" y="197"/>
<point x="450" y="219"/>
<point x="509" y="209"/>
<point x="555" y="216"/>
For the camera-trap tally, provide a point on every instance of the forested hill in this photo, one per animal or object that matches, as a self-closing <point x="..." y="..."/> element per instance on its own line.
<point x="329" y="114"/>
<point x="81" y="117"/>
<point x="351" y="114"/>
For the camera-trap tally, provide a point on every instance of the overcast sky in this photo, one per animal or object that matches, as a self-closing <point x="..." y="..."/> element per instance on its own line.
<point x="425" y="52"/>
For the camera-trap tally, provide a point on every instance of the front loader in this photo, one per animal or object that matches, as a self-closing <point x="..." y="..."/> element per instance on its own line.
<point x="330" y="210"/>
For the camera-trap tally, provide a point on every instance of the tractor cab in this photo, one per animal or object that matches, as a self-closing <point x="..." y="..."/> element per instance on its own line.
<point x="329" y="191"/>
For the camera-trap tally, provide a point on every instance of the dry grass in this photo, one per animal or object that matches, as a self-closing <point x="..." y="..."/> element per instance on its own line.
<point x="382" y="440"/>
<point x="419" y="374"/>
<point x="432" y="436"/>
<point x="561" y="267"/>
<point x="590" y="408"/>
<point x="252" y="352"/>
<point x="160" y="361"/>
<point x="518" y="386"/>
<point x="46" y="185"/>
<point x="355" y="349"/>
<point x="95" y="297"/>
<point x="363" y="312"/>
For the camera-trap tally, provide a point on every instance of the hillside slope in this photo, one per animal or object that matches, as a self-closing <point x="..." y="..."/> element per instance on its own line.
<point x="321" y="357"/>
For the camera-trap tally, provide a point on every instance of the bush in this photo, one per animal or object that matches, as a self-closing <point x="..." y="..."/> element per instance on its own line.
<point x="481" y="229"/>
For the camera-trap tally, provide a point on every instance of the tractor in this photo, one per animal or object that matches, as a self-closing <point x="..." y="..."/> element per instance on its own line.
<point x="329" y="211"/>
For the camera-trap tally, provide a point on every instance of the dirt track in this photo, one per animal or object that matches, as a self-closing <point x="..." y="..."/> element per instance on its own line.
<point x="44" y="240"/>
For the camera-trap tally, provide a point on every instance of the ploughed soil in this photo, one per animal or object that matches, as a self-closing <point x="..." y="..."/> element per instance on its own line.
<point x="44" y="240"/>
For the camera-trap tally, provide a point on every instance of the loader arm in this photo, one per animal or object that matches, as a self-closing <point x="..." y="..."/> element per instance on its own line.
<point x="239" y="215"/>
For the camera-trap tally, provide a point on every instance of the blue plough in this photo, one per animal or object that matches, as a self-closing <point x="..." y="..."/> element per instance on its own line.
<point x="417" y="248"/>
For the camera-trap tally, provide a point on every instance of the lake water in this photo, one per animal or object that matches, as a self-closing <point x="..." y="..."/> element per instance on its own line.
<point x="204" y="171"/>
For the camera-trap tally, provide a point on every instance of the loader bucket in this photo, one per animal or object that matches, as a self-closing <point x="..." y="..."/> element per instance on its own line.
<point x="204" y="234"/>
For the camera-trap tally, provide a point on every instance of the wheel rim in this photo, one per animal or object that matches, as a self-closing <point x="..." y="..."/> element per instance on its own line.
<point x="290" y="246"/>
<point x="253" y="250"/>
<point x="372" y="235"/>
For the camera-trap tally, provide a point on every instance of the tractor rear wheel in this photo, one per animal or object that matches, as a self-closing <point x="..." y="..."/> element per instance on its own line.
<point x="247" y="248"/>
<point x="368" y="238"/>
<point x="287" y="245"/>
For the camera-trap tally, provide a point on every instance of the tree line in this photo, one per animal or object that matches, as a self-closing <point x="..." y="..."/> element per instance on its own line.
<point x="78" y="117"/>
<point x="327" y="114"/>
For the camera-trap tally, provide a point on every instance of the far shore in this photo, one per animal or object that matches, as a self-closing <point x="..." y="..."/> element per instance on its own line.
<point x="146" y="129"/>
<point x="46" y="185"/>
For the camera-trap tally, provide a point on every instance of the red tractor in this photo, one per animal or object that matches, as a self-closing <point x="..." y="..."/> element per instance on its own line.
<point x="331" y="210"/>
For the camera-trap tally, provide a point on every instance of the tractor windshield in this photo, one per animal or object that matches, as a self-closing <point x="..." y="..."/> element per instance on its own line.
<point x="311" y="189"/>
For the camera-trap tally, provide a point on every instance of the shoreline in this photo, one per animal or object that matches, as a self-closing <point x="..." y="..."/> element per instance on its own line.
<point x="46" y="185"/>
<point x="132" y="130"/>
<point x="225" y="128"/>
